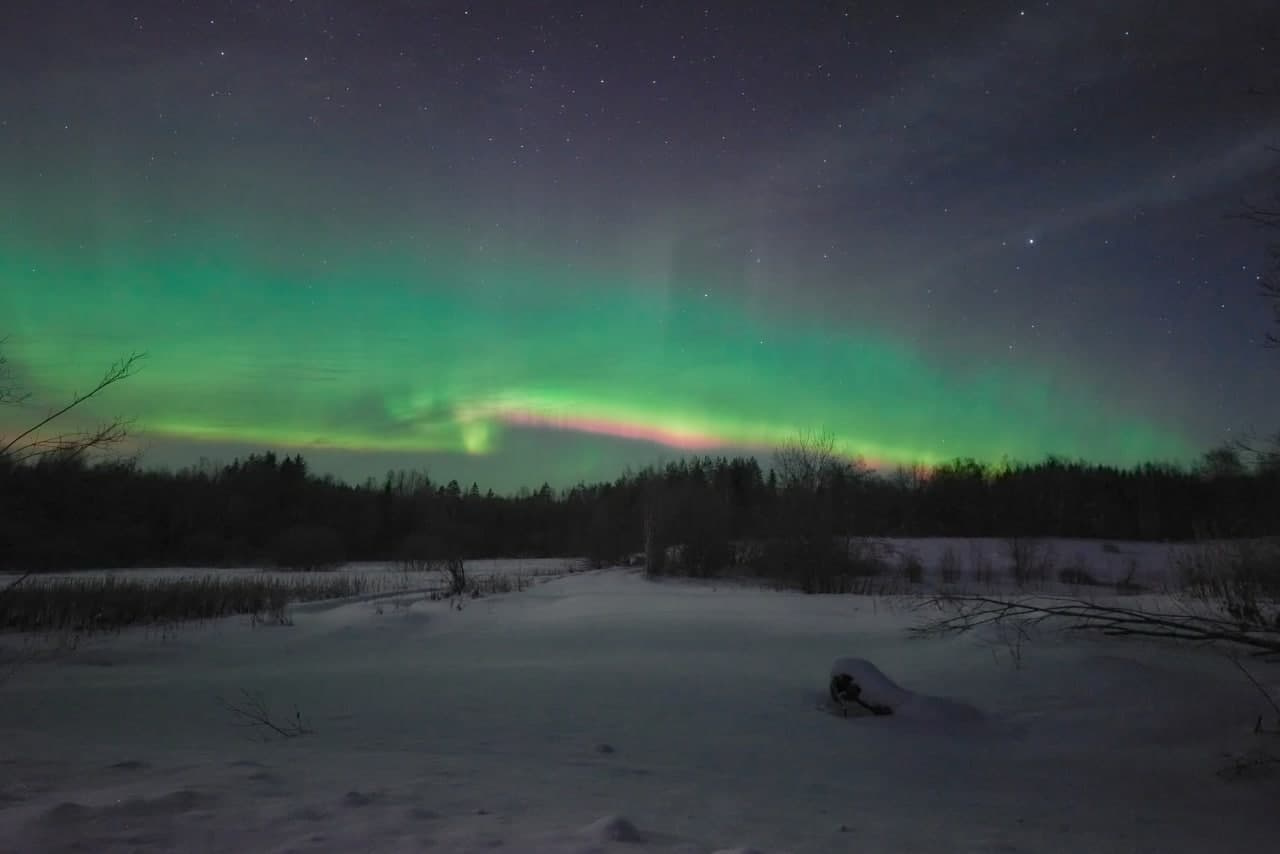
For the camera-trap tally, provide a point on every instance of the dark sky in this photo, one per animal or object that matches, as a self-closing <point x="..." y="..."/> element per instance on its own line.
<point x="537" y="241"/>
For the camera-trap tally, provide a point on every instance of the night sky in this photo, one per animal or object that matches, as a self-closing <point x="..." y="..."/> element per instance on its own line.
<point x="524" y="241"/>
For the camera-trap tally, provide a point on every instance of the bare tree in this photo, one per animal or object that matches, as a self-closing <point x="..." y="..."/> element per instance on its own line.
<point x="1224" y="461"/>
<point x="803" y="460"/>
<point x="35" y="441"/>
<point x="9" y="396"/>
<point x="816" y="501"/>
<point x="809" y="461"/>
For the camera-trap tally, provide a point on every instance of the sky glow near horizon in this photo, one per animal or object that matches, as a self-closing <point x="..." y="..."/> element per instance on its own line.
<point x="423" y="357"/>
<point x="521" y="271"/>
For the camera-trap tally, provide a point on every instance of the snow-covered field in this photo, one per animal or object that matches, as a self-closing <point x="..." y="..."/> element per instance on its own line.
<point x="1153" y="566"/>
<point x="601" y="712"/>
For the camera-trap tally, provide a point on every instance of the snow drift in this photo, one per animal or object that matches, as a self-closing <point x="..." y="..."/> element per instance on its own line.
<point x="878" y="689"/>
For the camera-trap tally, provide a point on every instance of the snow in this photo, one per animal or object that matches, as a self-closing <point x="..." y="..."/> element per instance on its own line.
<point x="602" y="712"/>
<point x="878" y="689"/>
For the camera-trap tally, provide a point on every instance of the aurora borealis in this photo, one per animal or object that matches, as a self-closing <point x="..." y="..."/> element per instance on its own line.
<point x="519" y="244"/>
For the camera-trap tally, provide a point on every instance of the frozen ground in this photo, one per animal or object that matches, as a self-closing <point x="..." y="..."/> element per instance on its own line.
<point x="603" y="713"/>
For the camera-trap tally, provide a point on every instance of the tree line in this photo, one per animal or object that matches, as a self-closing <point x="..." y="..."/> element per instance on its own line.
<point x="62" y="512"/>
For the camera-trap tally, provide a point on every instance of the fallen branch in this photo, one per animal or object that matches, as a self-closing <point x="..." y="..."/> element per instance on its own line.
<point x="12" y="585"/>
<point x="254" y="712"/>
<point x="1261" y="690"/>
<point x="1253" y="764"/>
<point x="968" y="612"/>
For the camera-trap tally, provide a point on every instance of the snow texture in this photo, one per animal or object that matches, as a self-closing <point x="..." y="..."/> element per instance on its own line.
<point x="605" y="713"/>
<point x="878" y="689"/>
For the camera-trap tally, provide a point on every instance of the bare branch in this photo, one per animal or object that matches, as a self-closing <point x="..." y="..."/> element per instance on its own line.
<point x="1250" y="764"/>
<point x="72" y="445"/>
<point x="9" y="396"/>
<point x="79" y="443"/>
<point x="12" y="585"/>
<point x="971" y="612"/>
<point x="253" y="711"/>
<point x="809" y="460"/>
<point x="1261" y="689"/>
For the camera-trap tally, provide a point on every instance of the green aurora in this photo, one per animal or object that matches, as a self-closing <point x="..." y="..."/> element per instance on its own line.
<point x="362" y="346"/>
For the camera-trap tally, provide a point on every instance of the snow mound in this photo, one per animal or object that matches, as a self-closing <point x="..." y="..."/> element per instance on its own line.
<point x="613" y="828"/>
<point x="878" y="689"/>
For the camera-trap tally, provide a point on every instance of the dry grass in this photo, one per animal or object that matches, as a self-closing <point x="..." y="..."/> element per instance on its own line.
<point x="110" y="603"/>
<point x="84" y="604"/>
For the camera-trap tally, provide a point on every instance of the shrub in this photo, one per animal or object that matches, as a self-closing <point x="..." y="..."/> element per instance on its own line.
<point x="980" y="566"/>
<point x="702" y="557"/>
<point x="454" y="570"/>
<point x="422" y="552"/>
<point x="498" y="583"/>
<point x="817" y="566"/>
<point x="1128" y="584"/>
<point x="687" y="532"/>
<point x="1252" y="565"/>
<point x="912" y="568"/>
<point x="1078" y="577"/>
<point x="1029" y="560"/>
<point x="949" y="566"/>
<point x="865" y="558"/>
<point x="814" y="566"/>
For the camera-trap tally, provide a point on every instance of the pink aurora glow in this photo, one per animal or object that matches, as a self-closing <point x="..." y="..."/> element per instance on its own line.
<point x="687" y="440"/>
